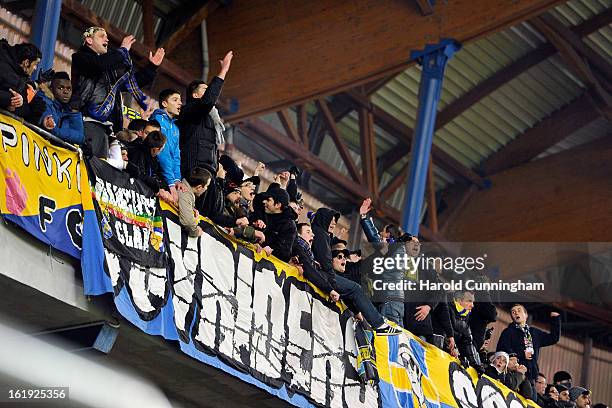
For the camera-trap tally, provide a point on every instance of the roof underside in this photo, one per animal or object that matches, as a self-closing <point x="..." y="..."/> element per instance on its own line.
<point x="495" y="120"/>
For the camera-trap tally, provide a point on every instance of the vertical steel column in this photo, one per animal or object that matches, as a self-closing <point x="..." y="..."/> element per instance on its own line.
<point x="433" y="60"/>
<point x="44" y="30"/>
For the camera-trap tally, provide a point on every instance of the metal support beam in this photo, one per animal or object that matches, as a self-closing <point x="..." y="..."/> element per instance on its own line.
<point x="338" y="141"/>
<point x="432" y="205"/>
<point x="148" y="23"/>
<point x="586" y="361"/>
<point x="368" y="151"/>
<point x="550" y="131"/>
<point x="283" y="116"/>
<point x="433" y="59"/>
<point x="44" y="30"/>
<point x="187" y="28"/>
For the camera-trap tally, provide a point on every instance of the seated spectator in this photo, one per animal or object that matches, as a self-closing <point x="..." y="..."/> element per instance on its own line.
<point x="194" y="185"/>
<point x="519" y="383"/>
<point x="526" y="341"/>
<point x="460" y="309"/>
<point x="334" y="263"/>
<point x="280" y="228"/>
<point x="58" y="117"/>
<point x="354" y="297"/>
<point x="170" y="157"/>
<point x="200" y="124"/>
<point x="563" y="378"/>
<point x="17" y="63"/>
<point x="98" y="75"/>
<point x="580" y="396"/>
<point x="143" y="165"/>
<point x="305" y="259"/>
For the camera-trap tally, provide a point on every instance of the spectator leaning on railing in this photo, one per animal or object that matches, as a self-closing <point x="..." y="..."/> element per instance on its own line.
<point x="58" y="117"/>
<point x="17" y="63"/>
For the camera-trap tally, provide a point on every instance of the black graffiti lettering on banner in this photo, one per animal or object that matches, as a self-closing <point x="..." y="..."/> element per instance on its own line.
<point x="129" y="215"/>
<point x="490" y="396"/>
<point x="46" y="208"/>
<point x="261" y="320"/>
<point x="462" y="387"/>
<point x="485" y="395"/>
<point x="148" y="287"/>
<point x="74" y="226"/>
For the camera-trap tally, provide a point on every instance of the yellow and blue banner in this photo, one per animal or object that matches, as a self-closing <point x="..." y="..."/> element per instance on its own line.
<point x="45" y="190"/>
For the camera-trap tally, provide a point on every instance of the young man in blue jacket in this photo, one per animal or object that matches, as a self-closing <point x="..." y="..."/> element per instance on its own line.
<point x="526" y="341"/>
<point x="170" y="156"/>
<point x="58" y="117"/>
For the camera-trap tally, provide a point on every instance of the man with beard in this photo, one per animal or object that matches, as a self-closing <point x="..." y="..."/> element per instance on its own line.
<point x="17" y="64"/>
<point x="280" y="228"/>
<point x="58" y="117"/>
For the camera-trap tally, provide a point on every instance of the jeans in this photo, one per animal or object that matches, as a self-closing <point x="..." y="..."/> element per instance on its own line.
<point x="393" y="311"/>
<point x="354" y="295"/>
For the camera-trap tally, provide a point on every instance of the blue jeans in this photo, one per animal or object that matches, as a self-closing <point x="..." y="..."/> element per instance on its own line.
<point x="352" y="294"/>
<point x="393" y="311"/>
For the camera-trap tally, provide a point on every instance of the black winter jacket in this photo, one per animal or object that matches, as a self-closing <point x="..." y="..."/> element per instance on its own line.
<point x="512" y="341"/>
<point x="321" y="244"/>
<point x="13" y="77"/>
<point x="483" y="313"/>
<point x="430" y="298"/>
<point x="93" y="76"/>
<point x="280" y="233"/>
<point x="440" y="318"/>
<point x="198" y="140"/>
<point x="463" y="336"/>
<point x="311" y="272"/>
<point x="144" y="167"/>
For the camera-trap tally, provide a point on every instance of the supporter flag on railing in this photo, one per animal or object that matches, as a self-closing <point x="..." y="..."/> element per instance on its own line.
<point x="128" y="214"/>
<point x="45" y="191"/>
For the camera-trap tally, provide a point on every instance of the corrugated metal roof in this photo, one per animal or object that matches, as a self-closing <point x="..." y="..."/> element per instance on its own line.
<point x="502" y="115"/>
<point x="125" y="14"/>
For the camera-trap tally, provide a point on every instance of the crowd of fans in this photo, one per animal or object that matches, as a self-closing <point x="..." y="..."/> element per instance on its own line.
<point x="175" y="151"/>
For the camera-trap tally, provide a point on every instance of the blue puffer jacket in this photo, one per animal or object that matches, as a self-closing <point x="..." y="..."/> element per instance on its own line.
<point x="170" y="157"/>
<point x="68" y="124"/>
